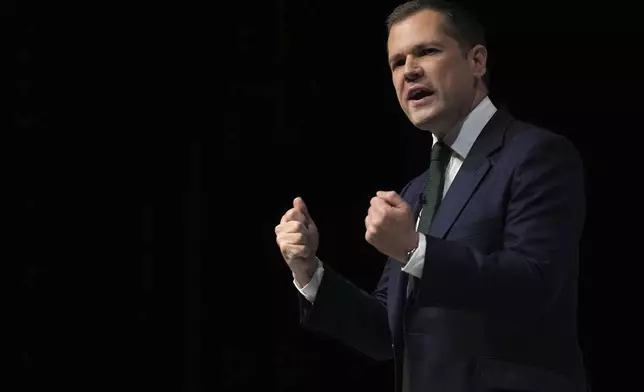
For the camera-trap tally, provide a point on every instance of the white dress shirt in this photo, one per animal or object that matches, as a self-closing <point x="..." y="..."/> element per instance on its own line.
<point x="460" y="140"/>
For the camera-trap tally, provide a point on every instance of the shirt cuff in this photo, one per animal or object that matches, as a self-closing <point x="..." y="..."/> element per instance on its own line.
<point x="417" y="260"/>
<point x="310" y="290"/>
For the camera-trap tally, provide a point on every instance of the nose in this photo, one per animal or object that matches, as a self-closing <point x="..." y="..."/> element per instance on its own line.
<point x="412" y="70"/>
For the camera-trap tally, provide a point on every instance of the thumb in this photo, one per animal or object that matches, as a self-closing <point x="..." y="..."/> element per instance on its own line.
<point x="392" y="198"/>
<point x="298" y="203"/>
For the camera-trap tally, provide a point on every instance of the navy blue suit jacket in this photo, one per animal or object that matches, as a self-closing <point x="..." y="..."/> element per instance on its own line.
<point x="496" y="306"/>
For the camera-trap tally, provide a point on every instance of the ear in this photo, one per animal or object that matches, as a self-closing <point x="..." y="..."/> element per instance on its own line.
<point x="478" y="60"/>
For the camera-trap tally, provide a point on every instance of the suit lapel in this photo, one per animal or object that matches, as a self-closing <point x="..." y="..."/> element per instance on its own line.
<point x="458" y="194"/>
<point x="476" y="165"/>
<point x="474" y="168"/>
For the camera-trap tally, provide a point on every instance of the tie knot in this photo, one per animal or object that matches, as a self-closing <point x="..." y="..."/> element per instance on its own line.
<point x="440" y="152"/>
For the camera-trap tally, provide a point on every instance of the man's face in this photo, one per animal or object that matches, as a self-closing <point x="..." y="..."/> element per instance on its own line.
<point x="434" y="81"/>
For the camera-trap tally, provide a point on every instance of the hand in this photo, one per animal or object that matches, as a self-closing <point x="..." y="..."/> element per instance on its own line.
<point x="390" y="226"/>
<point x="298" y="239"/>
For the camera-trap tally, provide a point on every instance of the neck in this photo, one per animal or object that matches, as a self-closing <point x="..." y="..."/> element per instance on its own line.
<point x="440" y="130"/>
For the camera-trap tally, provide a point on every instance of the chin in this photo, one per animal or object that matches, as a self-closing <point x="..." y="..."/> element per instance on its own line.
<point x="423" y="119"/>
<point x="428" y="116"/>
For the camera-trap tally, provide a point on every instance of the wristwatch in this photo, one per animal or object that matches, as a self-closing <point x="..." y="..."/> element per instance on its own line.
<point x="409" y="253"/>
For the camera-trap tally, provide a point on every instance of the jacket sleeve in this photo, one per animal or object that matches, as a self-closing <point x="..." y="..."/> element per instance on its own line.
<point x="539" y="252"/>
<point x="351" y="315"/>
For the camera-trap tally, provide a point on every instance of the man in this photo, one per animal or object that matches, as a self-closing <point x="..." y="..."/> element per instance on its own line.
<point x="479" y="289"/>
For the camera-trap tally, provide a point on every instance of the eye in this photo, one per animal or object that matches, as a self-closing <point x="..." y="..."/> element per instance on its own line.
<point x="397" y="63"/>
<point x="428" y="51"/>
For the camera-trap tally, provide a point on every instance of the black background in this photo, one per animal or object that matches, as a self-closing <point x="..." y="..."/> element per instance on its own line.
<point x="156" y="147"/>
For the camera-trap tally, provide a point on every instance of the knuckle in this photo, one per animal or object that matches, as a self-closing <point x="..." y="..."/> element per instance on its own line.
<point x="299" y="226"/>
<point x="376" y="220"/>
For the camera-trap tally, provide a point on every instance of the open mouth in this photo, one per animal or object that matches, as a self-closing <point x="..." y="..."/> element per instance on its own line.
<point x="417" y="94"/>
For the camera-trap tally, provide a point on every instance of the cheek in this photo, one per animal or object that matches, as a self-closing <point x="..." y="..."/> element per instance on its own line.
<point x="441" y="77"/>
<point x="444" y="76"/>
<point x="457" y="77"/>
<point x="398" y="86"/>
<point x="395" y="80"/>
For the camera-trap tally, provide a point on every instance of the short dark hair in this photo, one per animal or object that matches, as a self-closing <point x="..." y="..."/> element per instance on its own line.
<point x="461" y="24"/>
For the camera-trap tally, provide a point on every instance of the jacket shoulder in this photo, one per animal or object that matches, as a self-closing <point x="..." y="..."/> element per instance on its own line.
<point x="523" y="139"/>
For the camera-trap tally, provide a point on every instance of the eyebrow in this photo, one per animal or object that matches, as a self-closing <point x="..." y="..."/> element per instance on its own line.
<point x="416" y="48"/>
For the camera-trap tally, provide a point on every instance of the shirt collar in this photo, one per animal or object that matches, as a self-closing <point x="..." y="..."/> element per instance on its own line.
<point x="462" y="137"/>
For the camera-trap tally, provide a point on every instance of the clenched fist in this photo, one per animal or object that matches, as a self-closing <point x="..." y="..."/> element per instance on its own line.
<point x="390" y="226"/>
<point x="298" y="239"/>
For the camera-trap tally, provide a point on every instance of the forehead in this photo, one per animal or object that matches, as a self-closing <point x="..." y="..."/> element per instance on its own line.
<point x="423" y="26"/>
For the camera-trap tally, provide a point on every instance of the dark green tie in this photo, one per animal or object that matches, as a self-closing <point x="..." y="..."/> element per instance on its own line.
<point x="430" y="199"/>
<point x="433" y="191"/>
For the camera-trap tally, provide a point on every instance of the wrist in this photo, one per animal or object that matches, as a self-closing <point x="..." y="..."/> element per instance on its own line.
<point x="413" y="242"/>
<point x="411" y="247"/>
<point x="304" y="275"/>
